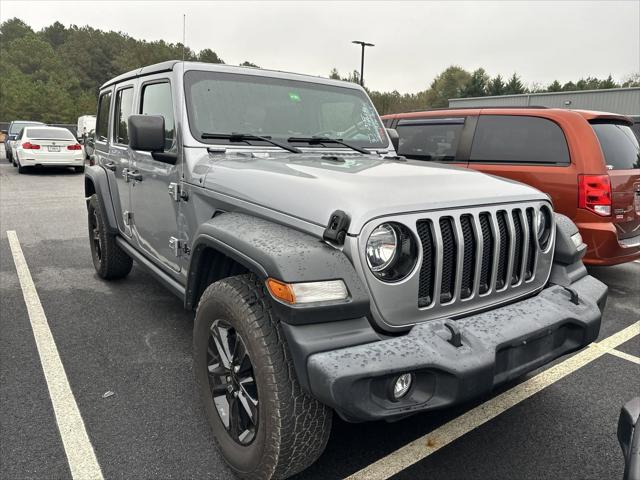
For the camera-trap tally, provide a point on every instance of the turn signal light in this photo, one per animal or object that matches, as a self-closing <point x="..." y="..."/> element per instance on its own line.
<point x="30" y="146"/>
<point x="307" y="292"/>
<point x="594" y="194"/>
<point x="74" y="147"/>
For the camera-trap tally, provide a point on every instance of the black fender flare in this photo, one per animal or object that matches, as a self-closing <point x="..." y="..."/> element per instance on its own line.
<point x="95" y="178"/>
<point x="269" y="249"/>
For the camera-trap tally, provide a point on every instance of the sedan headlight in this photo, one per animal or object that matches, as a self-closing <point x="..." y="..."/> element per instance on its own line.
<point x="391" y="251"/>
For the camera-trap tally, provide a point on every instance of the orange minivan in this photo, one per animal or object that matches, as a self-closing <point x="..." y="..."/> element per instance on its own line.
<point x="587" y="162"/>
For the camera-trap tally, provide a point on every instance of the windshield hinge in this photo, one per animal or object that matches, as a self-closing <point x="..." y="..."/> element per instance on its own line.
<point x="177" y="193"/>
<point x="337" y="227"/>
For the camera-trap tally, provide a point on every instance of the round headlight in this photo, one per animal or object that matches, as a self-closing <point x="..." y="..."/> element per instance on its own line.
<point x="381" y="247"/>
<point x="391" y="252"/>
<point x="544" y="226"/>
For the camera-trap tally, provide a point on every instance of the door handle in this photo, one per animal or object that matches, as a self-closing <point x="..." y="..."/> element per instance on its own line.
<point x="110" y="166"/>
<point x="135" y="175"/>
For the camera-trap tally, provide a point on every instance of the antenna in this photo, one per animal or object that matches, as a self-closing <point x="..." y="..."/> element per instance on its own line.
<point x="184" y="34"/>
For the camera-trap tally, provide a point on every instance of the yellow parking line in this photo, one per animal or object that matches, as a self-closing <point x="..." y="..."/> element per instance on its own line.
<point x="618" y="353"/>
<point x="80" y="455"/>
<point x="440" y="437"/>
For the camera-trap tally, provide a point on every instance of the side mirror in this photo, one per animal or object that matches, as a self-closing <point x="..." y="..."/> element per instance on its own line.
<point x="394" y="137"/>
<point x="629" y="438"/>
<point x="146" y="133"/>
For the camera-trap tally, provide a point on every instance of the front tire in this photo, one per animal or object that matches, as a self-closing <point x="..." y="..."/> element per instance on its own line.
<point x="279" y="430"/>
<point x="109" y="260"/>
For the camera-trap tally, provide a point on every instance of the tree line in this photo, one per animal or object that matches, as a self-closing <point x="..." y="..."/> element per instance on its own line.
<point x="53" y="75"/>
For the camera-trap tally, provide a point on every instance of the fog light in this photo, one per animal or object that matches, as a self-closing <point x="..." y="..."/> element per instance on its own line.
<point x="402" y="385"/>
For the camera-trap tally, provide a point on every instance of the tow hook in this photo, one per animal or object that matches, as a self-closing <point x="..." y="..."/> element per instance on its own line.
<point x="575" y="299"/>
<point x="456" y="338"/>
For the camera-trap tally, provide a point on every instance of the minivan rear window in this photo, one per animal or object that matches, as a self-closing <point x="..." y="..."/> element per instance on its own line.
<point x="48" y="134"/>
<point x="619" y="145"/>
<point x="519" y="139"/>
<point x="432" y="139"/>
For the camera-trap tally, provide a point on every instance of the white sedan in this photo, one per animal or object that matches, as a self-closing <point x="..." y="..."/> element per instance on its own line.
<point x="43" y="146"/>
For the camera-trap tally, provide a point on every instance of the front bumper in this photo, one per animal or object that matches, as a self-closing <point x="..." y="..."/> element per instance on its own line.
<point x="497" y="345"/>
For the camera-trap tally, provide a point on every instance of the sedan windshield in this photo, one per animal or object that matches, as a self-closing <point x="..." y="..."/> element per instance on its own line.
<point x="228" y="103"/>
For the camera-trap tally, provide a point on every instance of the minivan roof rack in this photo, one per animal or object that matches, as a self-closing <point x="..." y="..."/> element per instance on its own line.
<point x="477" y="108"/>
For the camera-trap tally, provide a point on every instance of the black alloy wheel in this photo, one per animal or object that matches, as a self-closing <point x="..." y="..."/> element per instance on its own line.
<point x="232" y="382"/>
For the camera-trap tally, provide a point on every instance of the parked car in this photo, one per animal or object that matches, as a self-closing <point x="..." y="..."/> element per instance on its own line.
<point x="12" y="133"/>
<point x="587" y="162"/>
<point x="44" y="146"/>
<point x="323" y="277"/>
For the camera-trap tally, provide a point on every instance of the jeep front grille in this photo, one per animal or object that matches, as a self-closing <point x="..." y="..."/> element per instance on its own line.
<point x="470" y="259"/>
<point x="470" y="255"/>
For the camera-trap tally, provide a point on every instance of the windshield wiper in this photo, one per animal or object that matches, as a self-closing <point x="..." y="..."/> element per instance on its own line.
<point x="244" y="137"/>
<point x="321" y="140"/>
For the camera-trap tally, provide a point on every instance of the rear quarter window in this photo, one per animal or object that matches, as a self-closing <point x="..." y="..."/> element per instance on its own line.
<point x="430" y="139"/>
<point x="619" y="145"/>
<point x="519" y="139"/>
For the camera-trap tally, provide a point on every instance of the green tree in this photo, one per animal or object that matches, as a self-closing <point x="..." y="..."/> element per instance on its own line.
<point x="13" y="29"/>
<point x="209" y="56"/>
<point x="555" y="86"/>
<point x="477" y="85"/>
<point x="496" y="86"/>
<point x="514" y="86"/>
<point x="249" y="64"/>
<point x="449" y="84"/>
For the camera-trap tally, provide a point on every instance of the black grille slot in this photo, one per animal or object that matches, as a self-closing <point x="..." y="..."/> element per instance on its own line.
<point x="531" y="256"/>
<point x="427" y="271"/>
<point x="518" y="246"/>
<point x="449" y="258"/>
<point x="503" y="254"/>
<point x="487" y="253"/>
<point x="469" y="264"/>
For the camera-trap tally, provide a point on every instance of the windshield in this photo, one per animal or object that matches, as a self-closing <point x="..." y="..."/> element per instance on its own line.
<point x="619" y="145"/>
<point x="16" y="127"/>
<point x="48" y="134"/>
<point x="226" y="103"/>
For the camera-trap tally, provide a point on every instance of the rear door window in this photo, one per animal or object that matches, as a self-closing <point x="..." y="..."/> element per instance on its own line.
<point x="430" y="139"/>
<point x="619" y="145"/>
<point x="102" y="122"/>
<point x="519" y="139"/>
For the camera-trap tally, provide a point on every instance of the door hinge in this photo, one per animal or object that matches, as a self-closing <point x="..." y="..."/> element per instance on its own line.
<point x="178" y="247"/>
<point x="176" y="192"/>
<point x="128" y="217"/>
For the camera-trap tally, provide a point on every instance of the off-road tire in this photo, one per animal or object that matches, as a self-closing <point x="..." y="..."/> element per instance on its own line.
<point x="293" y="427"/>
<point x="111" y="262"/>
<point x="78" y="169"/>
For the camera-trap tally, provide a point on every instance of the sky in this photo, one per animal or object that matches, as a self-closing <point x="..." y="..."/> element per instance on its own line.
<point x="414" y="41"/>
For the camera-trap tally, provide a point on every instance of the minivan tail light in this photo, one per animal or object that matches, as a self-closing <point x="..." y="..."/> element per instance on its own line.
<point x="74" y="147"/>
<point x="30" y="146"/>
<point x="594" y="193"/>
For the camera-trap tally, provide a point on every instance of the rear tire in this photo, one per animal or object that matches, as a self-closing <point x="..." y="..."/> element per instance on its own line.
<point x="289" y="429"/>
<point x="78" y="169"/>
<point x="109" y="260"/>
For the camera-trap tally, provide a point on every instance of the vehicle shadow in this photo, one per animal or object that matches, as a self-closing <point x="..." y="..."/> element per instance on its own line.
<point x="50" y="171"/>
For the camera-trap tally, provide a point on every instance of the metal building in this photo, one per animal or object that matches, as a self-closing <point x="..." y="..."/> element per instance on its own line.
<point x="616" y="100"/>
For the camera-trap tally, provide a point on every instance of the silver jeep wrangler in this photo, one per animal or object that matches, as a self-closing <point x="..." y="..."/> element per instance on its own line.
<point x="326" y="273"/>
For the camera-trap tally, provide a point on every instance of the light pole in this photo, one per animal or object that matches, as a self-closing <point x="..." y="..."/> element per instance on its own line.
<point x="363" y="44"/>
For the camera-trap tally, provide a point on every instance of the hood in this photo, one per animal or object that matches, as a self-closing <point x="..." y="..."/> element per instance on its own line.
<point x="311" y="186"/>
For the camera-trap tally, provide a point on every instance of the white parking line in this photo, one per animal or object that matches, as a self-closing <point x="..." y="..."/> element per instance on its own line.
<point x="80" y="455"/>
<point x="440" y="437"/>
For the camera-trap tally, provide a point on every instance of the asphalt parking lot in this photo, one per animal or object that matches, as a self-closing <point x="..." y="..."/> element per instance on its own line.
<point x="133" y="338"/>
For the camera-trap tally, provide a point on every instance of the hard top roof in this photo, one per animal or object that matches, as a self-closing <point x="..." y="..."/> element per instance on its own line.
<point x="221" y="67"/>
